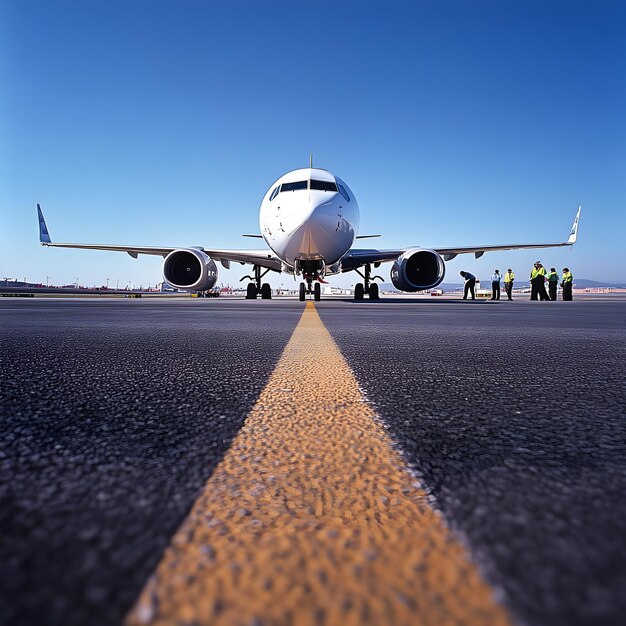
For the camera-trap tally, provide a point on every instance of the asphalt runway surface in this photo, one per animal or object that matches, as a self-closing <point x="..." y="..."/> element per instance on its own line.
<point x="115" y="413"/>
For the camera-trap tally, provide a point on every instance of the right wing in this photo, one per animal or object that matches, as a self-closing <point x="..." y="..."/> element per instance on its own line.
<point x="356" y="258"/>
<point x="263" y="258"/>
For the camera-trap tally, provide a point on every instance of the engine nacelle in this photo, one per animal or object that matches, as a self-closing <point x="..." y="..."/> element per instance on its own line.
<point x="189" y="269"/>
<point x="417" y="269"/>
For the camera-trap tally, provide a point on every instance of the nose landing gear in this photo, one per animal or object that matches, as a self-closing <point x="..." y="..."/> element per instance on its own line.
<point x="315" y="289"/>
<point x="367" y="286"/>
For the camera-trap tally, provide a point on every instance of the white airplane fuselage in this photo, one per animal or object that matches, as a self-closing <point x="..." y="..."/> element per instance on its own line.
<point x="309" y="216"/>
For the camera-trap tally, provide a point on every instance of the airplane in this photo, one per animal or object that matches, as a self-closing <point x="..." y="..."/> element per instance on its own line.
<point x="309" y="220"/>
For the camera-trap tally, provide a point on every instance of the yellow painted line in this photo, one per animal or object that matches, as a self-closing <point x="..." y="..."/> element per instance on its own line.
<point x="313" y="518"/>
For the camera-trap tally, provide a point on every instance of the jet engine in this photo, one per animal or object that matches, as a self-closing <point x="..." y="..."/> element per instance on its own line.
<point x="417" y="269"/>
<point x="189" y="269"/>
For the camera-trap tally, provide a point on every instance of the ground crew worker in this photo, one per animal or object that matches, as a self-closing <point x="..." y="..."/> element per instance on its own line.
<point x="537" y="280"/>
<point x="553" y="281"/>
<point x="470" y="283"/>
<point x="566" y="283"/>
<point x="495" y="285"/>
<point x="509" y="277"/>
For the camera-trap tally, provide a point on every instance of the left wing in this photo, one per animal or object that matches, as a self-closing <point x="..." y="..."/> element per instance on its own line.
<point x="355" y="258"/>
<point x="263" y="258"/>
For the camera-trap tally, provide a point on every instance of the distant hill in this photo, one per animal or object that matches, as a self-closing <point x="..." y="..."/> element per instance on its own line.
<point x="584" y="283"/>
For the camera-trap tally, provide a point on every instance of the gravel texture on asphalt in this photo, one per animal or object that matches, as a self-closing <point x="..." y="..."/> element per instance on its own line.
<point x="113" y="414"/>
<point x="513" y="416"/>
<point x="312" y="519"/>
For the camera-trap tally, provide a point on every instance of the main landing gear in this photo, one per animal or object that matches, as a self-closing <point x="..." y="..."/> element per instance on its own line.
<point x="256" y="288"/>
<point x="315" y="289"/>
<point x="367" y="286"/>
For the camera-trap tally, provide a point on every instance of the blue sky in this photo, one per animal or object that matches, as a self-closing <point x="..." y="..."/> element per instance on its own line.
<point x="454" y="123"/>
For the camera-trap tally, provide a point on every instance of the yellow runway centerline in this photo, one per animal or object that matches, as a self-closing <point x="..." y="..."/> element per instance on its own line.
<point x="312" y="518"/>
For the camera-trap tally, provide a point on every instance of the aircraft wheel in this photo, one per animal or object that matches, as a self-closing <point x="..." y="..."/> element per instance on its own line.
<point x="266" y="291"/>
<point x="373" y="292"/>
<point x="302" y="292"/>
<point x="359" y="290"/>
<point x="317" y="292"/>
<point x="251" y="292"/>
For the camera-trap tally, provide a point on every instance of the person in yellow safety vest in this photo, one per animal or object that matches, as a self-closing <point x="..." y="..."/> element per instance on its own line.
<point x="566" y="283"/>
<point x="509" y="277"/>
<point x="553" y="281"/>
<point x="537" y="280"/>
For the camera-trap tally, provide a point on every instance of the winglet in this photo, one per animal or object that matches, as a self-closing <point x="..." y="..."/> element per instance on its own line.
<point x="44" y="235"/>
<point x="571" y="240"/>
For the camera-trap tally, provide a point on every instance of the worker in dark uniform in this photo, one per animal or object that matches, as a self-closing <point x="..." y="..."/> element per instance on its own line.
<point x="566" y="283"/>
<point x="470" y="284"/>
<point x="537" y="280"/>
<point x="509" y="278"/>
<point x="495" y="285"/>
<point x="553" y="282"/>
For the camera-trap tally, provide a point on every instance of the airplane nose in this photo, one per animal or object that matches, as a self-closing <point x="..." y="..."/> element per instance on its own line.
<point x="319" y="204"/>
<point x="322" y="213"/>
<point x="321" y="231"/>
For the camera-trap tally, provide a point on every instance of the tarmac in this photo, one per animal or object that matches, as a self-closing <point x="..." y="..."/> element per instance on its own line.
<point x="224" y="461"/>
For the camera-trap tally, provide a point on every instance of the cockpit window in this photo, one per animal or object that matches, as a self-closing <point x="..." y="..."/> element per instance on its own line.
<point x="344" y="193"/>
<point x="323" y="185"/>
<point x="275" y="192"/>
<point x="301" y="184"/>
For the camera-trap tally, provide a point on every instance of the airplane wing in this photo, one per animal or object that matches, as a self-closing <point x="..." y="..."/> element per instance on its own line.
<point x="356" y="258"/>
<point x="263" y="258"/>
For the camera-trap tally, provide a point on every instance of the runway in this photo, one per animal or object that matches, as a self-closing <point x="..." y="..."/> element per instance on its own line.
<point x="402" y="461"/>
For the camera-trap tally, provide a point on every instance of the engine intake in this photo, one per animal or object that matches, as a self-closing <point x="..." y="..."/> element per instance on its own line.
<point x="417" y="269"/>
<point x="189" y="269"/>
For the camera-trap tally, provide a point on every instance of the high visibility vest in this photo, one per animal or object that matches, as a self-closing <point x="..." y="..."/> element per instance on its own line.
<point x="540" y="272"/>
<point x="509" y="277"/>
<point x="567" y="277"/>
<point x="553" y="277"/>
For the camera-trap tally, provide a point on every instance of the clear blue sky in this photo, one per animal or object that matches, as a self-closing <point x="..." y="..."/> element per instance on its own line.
<point x="454" y="123"/>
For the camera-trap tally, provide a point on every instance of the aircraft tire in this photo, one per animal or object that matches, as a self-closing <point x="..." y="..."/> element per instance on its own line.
<point x="251" y="292"/>
<point x="317" y="292"/>
<point x="266" y="291"/>
<point x="302" y="292"/>
<point x="373" y="292"/>
<point x="359" y="290"/>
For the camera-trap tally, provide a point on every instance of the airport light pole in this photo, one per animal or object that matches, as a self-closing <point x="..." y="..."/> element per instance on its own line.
<point x="107" y="283"/>
<point x="76" y="279"/>
<point x="117" y="285"/>
<point x="47" y="281"/>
